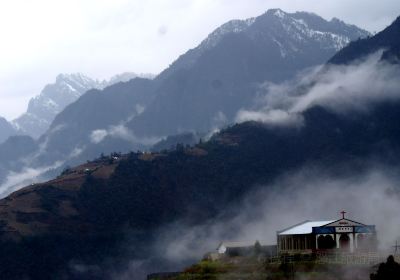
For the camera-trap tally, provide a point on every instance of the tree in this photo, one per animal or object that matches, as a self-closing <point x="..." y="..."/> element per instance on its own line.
<point x="257" y="248"/>
<point x="387" y="271"/>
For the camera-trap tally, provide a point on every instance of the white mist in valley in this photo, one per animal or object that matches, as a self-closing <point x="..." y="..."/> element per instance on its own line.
<point x="313" y="192"/>
<point x="372" y="197"/>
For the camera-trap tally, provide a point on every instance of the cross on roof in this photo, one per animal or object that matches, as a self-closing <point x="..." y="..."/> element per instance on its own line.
<point x="343" y="212"/>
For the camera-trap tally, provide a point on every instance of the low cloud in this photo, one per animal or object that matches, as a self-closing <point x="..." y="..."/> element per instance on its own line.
<point x="16" y="180"/>
<point x="271" y="117"/>
<point x="98" y="135"/>
<point x="76" y="152"/>
<point x="120" y="132"/>
<point x="311" y="193"/>
<point x="218" y="121"/>
<point x="340" y="88"/>
<point x="372" y="197"/>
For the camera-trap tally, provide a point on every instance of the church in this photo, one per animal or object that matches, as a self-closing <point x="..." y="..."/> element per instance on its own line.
<point x="311" y="236"/>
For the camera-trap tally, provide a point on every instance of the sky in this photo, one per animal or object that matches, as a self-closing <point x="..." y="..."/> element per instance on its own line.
<point x="101" y="38"/>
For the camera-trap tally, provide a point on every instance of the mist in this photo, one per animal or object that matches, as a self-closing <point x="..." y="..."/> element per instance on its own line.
<point x="343" y="89"/>
<point x="371" y="197"/>
<point x="28" y="175"/>
<point x="123" y="133"/>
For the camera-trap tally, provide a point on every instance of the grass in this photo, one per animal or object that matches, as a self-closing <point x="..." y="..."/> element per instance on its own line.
<point x="242" y="268"/>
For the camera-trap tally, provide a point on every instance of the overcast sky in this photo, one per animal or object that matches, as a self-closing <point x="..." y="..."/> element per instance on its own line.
<point x="100" y="38"/>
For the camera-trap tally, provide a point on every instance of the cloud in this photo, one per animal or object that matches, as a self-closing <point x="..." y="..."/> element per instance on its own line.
<point x="98" y="135"/>
<point x="352" y="87"/>
<point x="370" y="196"/>
<point x="271" y="117"/>
<point x="120" y="132"/>
<point x="76" y="152"/>
<point x="340" y="88"/>
<point x="16" y="180"/>
<point x="322" y="195"/>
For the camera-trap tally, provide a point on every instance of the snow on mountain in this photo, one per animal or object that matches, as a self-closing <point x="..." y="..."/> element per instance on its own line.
<point x="303" y="27"/>
<point x="67" y="88"/>
<point x="52" y="100"/>
<point x="296" y="30"/>
<point x="233" y="26"/>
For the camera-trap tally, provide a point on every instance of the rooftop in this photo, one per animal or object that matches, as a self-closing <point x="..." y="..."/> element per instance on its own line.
<point x="304" y="227"/>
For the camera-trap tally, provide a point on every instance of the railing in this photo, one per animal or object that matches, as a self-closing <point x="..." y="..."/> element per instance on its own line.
<point x="367" y="258"/>
<point x="359" y="258"/>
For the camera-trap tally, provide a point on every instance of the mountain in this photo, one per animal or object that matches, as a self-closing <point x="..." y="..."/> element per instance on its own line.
<point x="109" y="212"/>
<point x="67" y="88"/>
<point x="289" y="34"/>
<point x="125" y="77"/>
<point x="14" y="154"/>
<point x="83" y="215"/>
<point x="96" y="119"/>
<point x="387" y="40"/>
<point x="6" y="129"/>
<point x="206" y="86"/>
<point x="201" y="91"/>
<point x="171" y="142"/>
<point x="42" y="110"/>
<point x="52" y="100"/>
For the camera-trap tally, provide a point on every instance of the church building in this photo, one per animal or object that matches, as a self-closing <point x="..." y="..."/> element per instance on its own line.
<point x="343" y="234"/>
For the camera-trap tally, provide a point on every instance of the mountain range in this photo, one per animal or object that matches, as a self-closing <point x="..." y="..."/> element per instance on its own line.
<point x="200" y="92"/>
<point x="108" y="212"/>
<point x="53" y="99"/>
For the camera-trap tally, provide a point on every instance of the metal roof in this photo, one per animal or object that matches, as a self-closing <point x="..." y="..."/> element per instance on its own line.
<point x="304" y="227"/>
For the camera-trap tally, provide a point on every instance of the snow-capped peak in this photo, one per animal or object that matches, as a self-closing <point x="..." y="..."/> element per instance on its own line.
<point x="66" y="89"/>
<point x="299" y="27"/>
<point x="289" y="32"/>
<point x="233" y="26"/>
<point x="279" y="13"/>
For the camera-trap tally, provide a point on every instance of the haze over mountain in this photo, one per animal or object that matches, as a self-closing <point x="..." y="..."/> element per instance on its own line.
<point x="67" y="88"/>
<point x="206" y="86"/>
<point x="82" y="216"/>
<point x="52" y="100"/>
<point x="6" y="129"/>
<point x="201" y="91"/>
<point x="115" y="212"/>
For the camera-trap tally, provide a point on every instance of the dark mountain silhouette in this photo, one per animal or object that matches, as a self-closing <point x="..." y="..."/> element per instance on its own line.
<point x="170" y="142"/>
<point x="387" y="40"/>
<point x="83" y="214"/>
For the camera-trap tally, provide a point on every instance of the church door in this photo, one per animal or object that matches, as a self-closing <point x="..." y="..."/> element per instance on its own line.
<point x="321" y="242"/>
<point x="329" y="242"/>
<point x="344" y="242"/>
